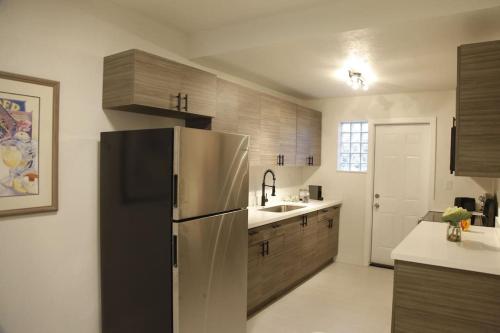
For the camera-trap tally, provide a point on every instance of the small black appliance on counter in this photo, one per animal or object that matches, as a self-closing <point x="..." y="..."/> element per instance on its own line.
<point x="315" y="192"/>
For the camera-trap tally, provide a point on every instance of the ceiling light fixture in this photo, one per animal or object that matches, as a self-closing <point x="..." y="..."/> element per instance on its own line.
<point x="356" y="81"/>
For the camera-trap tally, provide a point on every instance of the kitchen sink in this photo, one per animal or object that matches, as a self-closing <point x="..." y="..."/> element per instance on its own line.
<point x="281" y="208"/>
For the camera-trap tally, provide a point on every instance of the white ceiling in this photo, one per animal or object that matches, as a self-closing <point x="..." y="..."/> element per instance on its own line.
<point x="195" y="15"/>
<point x="414" y="56"/>
<point x="294" y="46"/>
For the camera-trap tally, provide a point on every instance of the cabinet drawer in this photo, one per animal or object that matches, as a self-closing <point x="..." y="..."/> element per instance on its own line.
<point x="266" y="232"/>
<point x="329" y="213"/>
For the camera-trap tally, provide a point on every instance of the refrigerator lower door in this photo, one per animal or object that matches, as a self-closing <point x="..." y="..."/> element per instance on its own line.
<point x="210" y="172"/>
<point x="210" y="280"/>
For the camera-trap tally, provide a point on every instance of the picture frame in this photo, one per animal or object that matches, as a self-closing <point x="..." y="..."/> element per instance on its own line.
<point x="29" y="144"/>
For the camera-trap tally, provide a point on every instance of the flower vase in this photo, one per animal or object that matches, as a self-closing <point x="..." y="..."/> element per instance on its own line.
<point x="454" y="233"/>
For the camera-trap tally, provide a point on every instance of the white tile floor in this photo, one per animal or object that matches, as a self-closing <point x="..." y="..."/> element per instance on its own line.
<point x="342" y="298"/>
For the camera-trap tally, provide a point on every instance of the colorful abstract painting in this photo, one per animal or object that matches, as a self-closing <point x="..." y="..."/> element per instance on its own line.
<point x="29" y="109"/>
<point x="18" y="145"/>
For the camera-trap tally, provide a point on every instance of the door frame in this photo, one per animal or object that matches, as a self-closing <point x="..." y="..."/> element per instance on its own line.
<point x="372" y="125"/>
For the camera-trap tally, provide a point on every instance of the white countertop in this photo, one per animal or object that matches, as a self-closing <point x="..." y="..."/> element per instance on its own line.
<point x="479" y="250"/>
<point x="257" y="217"/>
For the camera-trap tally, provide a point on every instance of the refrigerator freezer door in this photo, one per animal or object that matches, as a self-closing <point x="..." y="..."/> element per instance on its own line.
<point x="210" y="280"/>
<point x="210" y="172"/>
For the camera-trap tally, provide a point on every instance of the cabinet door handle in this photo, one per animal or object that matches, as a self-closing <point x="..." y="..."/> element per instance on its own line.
<point x="179" y="101"/>
<point x="282" y="159"/>
<point x="263" y="250"/>
<point x="279" y="159"/>
<point x="330" y="224"/>
<point x="185" y="102"/>
<point x="312" y="160"/>
<point x="267" y="247"/>
<point x="307" y="222"/>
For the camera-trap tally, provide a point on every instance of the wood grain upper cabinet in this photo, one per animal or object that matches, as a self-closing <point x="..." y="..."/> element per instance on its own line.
<point x="478" y="110"/>
<point x="238" y="111"/>
<point x="308" y="136"/>
<point x="278" y="131"/>
<point x="270" y="133"/>
<point x="138" y="81"/>
<point x="288" y="133"/>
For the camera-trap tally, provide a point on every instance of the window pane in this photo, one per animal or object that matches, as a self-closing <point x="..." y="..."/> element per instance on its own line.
<point x="364" y="137"/>
<point x="356" y="127"/>
<point x="355" y="167"/>
<point x="344" y="166"/>
<point x="346" y="137"/>
<point x="353" y="146"/>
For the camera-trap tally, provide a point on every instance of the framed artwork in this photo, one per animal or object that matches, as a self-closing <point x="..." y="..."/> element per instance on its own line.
<point x="29" y="110"/>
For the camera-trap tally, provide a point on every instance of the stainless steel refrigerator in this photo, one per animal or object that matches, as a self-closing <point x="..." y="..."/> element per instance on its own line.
<point x="173" y="231"/>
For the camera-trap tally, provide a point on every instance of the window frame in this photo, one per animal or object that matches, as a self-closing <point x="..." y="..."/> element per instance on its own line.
<point x="361" y="142"/>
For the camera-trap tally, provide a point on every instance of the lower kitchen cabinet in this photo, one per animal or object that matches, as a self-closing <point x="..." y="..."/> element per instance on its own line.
<point x="284" y="253"/>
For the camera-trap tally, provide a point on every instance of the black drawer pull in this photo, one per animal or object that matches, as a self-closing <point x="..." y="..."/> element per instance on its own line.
<point x="267" y="247"/>
<point x="324" y="210"/>
<point x="252" y="233"/>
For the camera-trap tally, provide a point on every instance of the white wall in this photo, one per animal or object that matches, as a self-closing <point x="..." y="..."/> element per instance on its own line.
<point x="351" y="187"/>
<point x="49" y="274"/>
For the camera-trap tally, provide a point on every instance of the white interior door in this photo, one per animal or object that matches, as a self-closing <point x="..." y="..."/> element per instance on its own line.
<point x="401" y="185"/>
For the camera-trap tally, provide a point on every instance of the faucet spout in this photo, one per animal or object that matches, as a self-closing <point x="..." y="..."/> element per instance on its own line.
<point x="264" y="185"/>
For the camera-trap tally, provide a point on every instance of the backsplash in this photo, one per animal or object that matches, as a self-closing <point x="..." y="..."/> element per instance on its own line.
<point x="288" y="183"/>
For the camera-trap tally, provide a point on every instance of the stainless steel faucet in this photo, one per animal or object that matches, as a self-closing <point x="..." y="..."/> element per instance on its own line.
<point x="273" y="193"/>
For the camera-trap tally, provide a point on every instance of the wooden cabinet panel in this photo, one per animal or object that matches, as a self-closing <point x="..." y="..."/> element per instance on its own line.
<point x="288" y="132"/>
<point x="238" y="111"/>
<point x="200" y="90"/>
<point x="308" y="136"/>
<point x="309" y="261"/>
<point x="478" y="110"/>
<point x="141" y="82"/>
<point x="249" y="115"/>
<point x="269" y="130"/>
<point x="316" y="137"/>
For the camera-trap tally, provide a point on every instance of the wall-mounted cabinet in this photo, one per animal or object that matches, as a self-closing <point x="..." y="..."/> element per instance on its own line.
<point x="238" y="111"/>
<point x="272" y="123"/>
<point x="477" y="146"/>
<point x="308" y="137"/>
<point x="141" y="82"/>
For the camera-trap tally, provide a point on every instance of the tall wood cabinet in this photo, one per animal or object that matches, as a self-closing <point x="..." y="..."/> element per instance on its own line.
<point x="308" y="137"/>
<point x="238" y="111"/>
<point x="477" y="148"/>
<point x="138" y="81"/>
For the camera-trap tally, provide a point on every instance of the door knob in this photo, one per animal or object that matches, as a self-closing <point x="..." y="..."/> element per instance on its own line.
<point x="377" y="205"/>
<point x="377" y="195"/>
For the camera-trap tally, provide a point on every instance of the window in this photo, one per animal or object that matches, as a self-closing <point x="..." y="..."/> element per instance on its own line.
<point x="353" y="146"/>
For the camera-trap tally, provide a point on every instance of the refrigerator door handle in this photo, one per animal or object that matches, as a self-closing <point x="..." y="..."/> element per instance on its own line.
<point x="175" y="191"/>
<point x="174" y="251"/>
